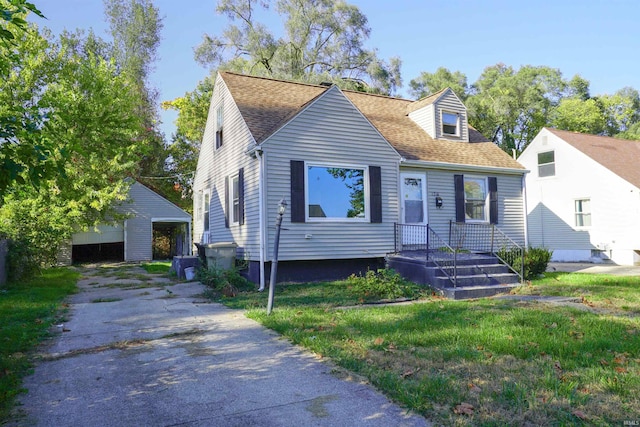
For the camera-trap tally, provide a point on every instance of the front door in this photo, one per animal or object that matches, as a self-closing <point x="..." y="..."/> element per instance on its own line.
<point x="413" y="207"/>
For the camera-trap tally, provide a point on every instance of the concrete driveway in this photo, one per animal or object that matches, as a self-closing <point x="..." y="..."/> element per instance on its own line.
<point x="138" y="351"/>
<point x="605" y="268"/>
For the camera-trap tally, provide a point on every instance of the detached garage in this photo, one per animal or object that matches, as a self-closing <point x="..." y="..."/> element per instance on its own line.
<point x="155" y="229"/>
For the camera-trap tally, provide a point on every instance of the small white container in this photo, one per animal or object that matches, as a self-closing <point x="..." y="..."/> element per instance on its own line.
<point x="190" y="273"/>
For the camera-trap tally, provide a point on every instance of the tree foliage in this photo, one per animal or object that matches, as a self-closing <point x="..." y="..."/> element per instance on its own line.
<point x="429" y="83"/>
<point x="86" y="130"/>
<point x="323" y="41"/>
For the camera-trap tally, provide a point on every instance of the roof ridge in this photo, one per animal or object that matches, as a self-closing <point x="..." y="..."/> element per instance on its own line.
<point x="275" y="80"/>
<point x="612" y="138"/>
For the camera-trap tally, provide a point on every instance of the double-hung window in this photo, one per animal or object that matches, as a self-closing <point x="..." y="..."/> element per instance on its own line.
<point x="475" y="199"/>
<point x="450" y="123"/>
<point x="235" y="200"/>
<point x="583" y="212"/>
<point x="205" y="211"/>
<point x="219" y="125"/>
<point x="337" y="192"/>
<point x="546" y="164"/>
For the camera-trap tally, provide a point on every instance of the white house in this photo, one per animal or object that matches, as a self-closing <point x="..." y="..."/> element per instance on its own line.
<point x="350" y="165"/>
<point x="583" y="196"/>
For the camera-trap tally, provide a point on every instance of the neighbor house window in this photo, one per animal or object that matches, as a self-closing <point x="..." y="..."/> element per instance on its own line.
<point x="450" y="123"/>
<point x="219" y="123"/>
<point x="336" y="193"/>
<point x="583" y="213"/>
<point x="475" y="199"/>
<point x="546" y="164"/>
<point x="205" y="211"/>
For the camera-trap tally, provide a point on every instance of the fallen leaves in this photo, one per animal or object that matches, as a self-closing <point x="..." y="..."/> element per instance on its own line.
<point x="463" y="409"/>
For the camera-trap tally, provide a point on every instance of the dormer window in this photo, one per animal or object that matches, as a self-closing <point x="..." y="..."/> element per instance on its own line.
<point x="450" y="123"/>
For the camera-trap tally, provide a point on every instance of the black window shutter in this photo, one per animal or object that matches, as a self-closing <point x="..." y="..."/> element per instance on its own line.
<point x="297" y="191"/>
<point x="493" y="200"/>
<point x="375" y="191"/>
<point x="226" y="201"/>
<point x="458" y="181"/>
<point x="241" y="196"/>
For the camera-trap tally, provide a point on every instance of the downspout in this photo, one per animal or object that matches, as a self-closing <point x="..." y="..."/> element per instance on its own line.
<point x="525" y="211"/>
<point x="262" y="233"/>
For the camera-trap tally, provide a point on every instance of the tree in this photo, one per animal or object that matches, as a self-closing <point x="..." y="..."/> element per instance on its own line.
<point x="135" y="27"/>
<point x="621" y="110"/>
<point x="512" y="106"/>
<point x="16" y="156"/>
<point x="429" y="83"/>
<point x="185" y="142"/>
<point x="91" y="139"/>
<point x="578" y="115"/>
<point x="324" y="41"/>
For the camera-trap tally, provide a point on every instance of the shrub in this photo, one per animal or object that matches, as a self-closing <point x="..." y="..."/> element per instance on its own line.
<point x="228" y="282"/>
<point x="383" y="284"/>
<point x="535" y="260"/>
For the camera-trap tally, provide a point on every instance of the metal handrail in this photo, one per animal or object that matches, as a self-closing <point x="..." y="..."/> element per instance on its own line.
<point x="422" y="238"/>
<point x="488" y="238"/>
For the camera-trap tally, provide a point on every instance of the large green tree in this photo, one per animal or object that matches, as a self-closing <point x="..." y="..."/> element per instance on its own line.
<point x="185" y="142"/>
<point x="323" y="41"/>
<point x="513" y="105"/>
<point x="429" y="83"/>
<point x="135" y="29"/>
<point x="91" y="138"/>
<point x="16" y="119"/>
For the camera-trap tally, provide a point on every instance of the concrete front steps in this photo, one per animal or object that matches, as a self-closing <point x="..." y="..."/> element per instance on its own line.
<point x="479" y="276"/>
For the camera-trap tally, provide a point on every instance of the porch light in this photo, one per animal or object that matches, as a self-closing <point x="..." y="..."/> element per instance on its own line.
<point x="282" y="207"/>
<point x="438" y="201"/>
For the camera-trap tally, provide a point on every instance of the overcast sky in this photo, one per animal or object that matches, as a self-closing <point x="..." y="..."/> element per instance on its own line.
<point x="597" y="39"/>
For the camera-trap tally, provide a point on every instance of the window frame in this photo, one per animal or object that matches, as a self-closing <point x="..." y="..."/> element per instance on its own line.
<point x="486" y="210"/>
<point x="541" y="165"/>
<point x="442" y="123"/>
<point x="366" y="189"/>
<point x="205" y="210"/>
<point x="219" y="126"/>
<point x="234" y="199"/>
<point x="581" y="213"/>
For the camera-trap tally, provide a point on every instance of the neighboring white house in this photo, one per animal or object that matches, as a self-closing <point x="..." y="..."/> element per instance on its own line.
<point x="149" y="214"/>
<point x="583" y="196"/>
<point x="350" y="165"/>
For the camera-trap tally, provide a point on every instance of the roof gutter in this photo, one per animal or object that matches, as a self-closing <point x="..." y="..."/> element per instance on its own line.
<point x="461" y="167"/>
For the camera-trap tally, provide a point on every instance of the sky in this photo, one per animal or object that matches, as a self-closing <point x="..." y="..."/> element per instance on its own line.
<point x="598" y="39"/>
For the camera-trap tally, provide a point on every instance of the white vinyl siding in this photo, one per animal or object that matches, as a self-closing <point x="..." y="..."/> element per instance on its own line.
<point x="425" y="118"/>
<point x="214" y="165"/>
<point x="330" y="131"/>
<point x="449" y="103"/>
<point x="614" y="204"/>
<point x="510" y="202"/>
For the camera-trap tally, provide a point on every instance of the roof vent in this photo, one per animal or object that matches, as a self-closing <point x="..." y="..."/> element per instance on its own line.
<point x="327" y="84"/>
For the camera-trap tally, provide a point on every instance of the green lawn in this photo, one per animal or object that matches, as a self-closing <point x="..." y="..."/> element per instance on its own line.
<point x="27" y="311"/>
<point x="485" y="362"/>
<point x="157" y="267"/>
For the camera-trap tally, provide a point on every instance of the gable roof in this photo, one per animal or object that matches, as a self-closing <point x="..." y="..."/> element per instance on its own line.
<point x="618" y="155"/>
<point x="267" y="104"/>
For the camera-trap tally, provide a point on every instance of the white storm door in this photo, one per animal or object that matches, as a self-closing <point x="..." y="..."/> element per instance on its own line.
<point x="414" y="207"/>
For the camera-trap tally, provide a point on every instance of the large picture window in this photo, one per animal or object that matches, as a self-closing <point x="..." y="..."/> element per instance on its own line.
<point x="475" y="199"/>
<point x="336" y="193"/>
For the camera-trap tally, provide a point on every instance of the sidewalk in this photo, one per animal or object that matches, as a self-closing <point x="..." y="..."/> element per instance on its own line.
<point x="154" y="356"/>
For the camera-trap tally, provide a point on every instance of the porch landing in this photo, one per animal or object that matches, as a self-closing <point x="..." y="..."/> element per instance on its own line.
<point x="479" y="275"/>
